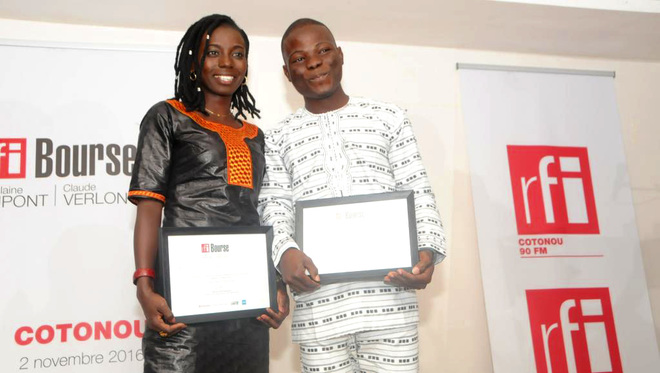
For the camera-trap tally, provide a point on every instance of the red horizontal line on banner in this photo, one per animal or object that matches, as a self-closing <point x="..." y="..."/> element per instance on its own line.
<point x="562" y="256"/>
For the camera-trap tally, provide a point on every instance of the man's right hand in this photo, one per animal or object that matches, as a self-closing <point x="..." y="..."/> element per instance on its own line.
<point x="293" y="265"/>
<point x="158" y="314"/>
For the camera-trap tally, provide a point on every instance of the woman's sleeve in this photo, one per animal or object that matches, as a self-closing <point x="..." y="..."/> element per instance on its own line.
<point x="152" y="162"/>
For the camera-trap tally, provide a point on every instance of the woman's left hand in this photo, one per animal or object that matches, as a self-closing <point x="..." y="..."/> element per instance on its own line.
<point x="274" y="319"/>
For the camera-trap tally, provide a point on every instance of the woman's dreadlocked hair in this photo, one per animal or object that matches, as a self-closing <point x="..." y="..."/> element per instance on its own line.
<point x="185" y="89"/>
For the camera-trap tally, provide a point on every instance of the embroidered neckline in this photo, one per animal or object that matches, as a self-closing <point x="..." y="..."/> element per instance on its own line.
<point x="239" y="157"/>
<point x="347" y="104"/>
<point x="199" y="119"/>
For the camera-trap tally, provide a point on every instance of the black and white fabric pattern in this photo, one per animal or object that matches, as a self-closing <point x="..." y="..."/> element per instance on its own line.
<point x="386" y="351"/>
<point x="364" y="147"/>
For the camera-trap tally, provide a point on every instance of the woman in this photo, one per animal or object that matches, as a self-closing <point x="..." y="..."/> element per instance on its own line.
<point x="204" y="166"/>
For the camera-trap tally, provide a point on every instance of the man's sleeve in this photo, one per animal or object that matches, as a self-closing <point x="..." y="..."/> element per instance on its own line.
<point x="152" y="163"/>
<point x="276" y="199"/>
<point x="410" y="174"/>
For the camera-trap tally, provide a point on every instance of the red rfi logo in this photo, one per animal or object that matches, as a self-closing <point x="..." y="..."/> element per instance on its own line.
<point x="552" y="190"/>
<point x="12" y="158"/>
<point x="573" y="331"/>
<point x="206" y="248"/>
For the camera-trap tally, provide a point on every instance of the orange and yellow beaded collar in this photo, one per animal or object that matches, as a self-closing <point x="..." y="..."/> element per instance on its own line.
<point x="239" y="157"/>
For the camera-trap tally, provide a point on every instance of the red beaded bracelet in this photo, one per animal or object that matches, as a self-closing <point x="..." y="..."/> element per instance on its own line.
<point x="143" y="272"/>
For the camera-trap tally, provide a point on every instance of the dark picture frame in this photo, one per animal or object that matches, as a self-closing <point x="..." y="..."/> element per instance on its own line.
<point x="406" y="208"/>
<point x="260" y="257"/>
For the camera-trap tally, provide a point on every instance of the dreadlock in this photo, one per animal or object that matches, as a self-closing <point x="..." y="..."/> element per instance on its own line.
<point x="186" y="88"/>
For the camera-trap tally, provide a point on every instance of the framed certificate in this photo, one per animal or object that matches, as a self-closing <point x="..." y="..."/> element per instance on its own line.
<point x="359" y="237"/>
<point x="212" y="274"/>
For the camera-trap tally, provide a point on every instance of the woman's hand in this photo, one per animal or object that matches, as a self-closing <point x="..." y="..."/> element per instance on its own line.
<point x="158" y="314"/>
<point x="274" y="319"/>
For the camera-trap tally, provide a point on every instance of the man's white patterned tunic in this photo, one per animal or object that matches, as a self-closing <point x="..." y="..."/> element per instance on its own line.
<point x="364" y="147"/>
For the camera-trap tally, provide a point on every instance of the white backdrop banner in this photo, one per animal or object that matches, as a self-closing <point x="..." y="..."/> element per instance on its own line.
<point x="69" y="120"/>
<point x="560" y="256"/>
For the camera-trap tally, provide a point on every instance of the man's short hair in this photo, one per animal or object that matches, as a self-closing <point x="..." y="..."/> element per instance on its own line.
<point x="300" y="23"/>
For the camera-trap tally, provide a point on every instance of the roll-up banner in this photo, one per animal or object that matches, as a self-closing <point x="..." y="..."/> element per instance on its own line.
<point x="69" y="118"/>
<point x="561" y="263"/>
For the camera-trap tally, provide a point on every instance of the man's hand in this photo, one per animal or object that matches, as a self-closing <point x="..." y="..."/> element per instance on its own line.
<point x="293" y="265"/>
<point x="158" y="314"/>
<point x="421" y="275"/>
<point x="274" y="319"/>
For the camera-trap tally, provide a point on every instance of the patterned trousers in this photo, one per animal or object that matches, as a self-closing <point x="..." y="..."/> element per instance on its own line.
<point x="390" y="350"/>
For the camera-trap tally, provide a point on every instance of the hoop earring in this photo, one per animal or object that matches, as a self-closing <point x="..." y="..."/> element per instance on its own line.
<point x="245" y="81"/>
<point x="193" y="76"/>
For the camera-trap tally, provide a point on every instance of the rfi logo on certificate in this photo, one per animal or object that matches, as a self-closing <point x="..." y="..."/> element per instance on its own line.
<point x="552" y="190"/>
<point x="206" y="248"/>
<point x="12" y="158"/>
<point x="573" y="331"/>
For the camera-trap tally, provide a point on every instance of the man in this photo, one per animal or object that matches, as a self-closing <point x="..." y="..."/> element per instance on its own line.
<point x="341" y="146"/>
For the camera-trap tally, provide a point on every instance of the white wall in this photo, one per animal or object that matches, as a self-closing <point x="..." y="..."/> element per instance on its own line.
<point x="454" y="336"/>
